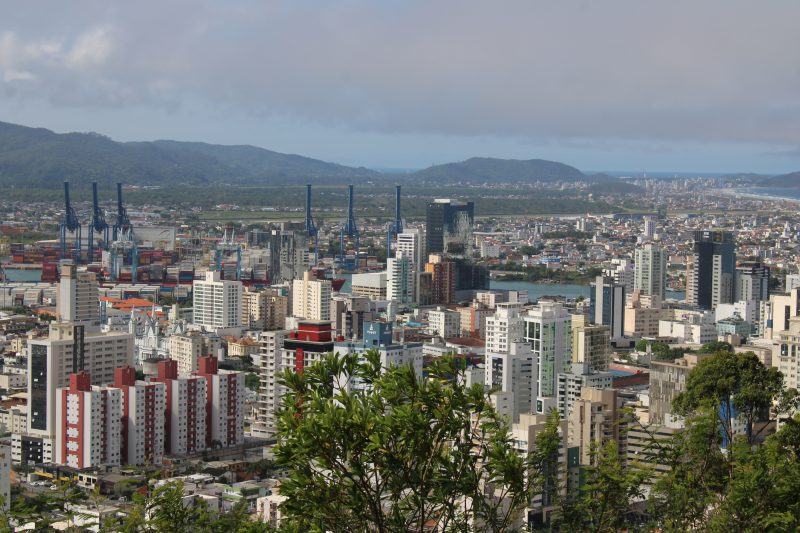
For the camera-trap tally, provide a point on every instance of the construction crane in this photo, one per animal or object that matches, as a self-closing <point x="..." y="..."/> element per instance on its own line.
<point x="98" y="224"/>
<point x="70" y="224"/>
<point x="350" y="229"/>
<point x="311" y="228"/>
<point x="123" y="223"/>
<point x="397" y="226"/>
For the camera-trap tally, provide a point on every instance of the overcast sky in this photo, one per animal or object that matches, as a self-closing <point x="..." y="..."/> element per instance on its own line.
<point x="602" y="85"/>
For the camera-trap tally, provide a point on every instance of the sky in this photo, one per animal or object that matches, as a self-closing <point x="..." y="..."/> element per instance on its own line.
<point x="641" y="86"/>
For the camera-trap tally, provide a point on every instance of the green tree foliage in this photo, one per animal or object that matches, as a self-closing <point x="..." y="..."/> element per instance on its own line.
<point x="660" y="350"/>
<point x="715" y="346"/>
<point x="403" y="453"/>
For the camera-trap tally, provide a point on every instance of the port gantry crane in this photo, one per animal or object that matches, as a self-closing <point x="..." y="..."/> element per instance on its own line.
<point x="311" y="228"/>
<point x="396" y="227"/>
<point x="350" y="229"/>
<point x="98" y="225"/>
<point x="72" y="225"/>
<point x="123" y="241"/>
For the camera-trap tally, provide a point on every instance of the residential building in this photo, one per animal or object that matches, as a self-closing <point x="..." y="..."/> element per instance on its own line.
<point x="144" y="405"/>
<point x="217" y="302"/>
<point x="186" y="400"/>
<point x="349" y="313"/>
<point x="311" y="298"/>
<point x="5" y="476"/>
<point x="444" y="322"/>
<point x="593" y="420"/>
<point x="548" y="330"/>
<point x="667" y="380"/>
<point x="642" y="314"/>
<point x="187" y="348"/>
<point x="504" y="328"/>
<point x="269" y="360"/>
<point x="412" y="243"/>
<point x="400" y="279"/>
<point x="78" y="297"/>
<point x="373" y="285"/>
<point x="225" y="404"/>
<point x="443" y="279"/>
<point x="651" y="270"/>
<point x="591" y="344"/>
<point x="571" y="384"/>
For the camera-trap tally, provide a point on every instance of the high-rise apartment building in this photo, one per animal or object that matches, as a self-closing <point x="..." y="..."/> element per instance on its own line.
<point x="504" y="328"/>
<point x="412" y="243"/>
<point x="448" y="225"/>
<point x="591" y="344"/>
<point x="548" y="330"/>
<point x="224" y="404"/>
<point x="68" y="349"/>
<point x="444" y="322"/>
<point x="311" y="298"/>
<point x="400" y="278"/>
<point x="89" y="428"/>
<point x="286" y="350"/>
<point x="752" y="281"/>
<point x="217" y="302"/>
<point x="185" y="421"/>
<point x="511" y="374"/>
<point x="642" y="314"/>
<point x="650" y="270"/>
<point x="711" y="269"/>
<point x="667" y="380"/>
<point x="143" y="407"/>
<point x="593" y="420"/>
<point x="78" y="297"/>
<point x="443" y="279"/>
<point x="264" y="309"/>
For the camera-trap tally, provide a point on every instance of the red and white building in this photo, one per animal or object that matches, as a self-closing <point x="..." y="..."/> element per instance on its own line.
<point x="143" y="408"/>
<point x="224" y="404"/>
<point x="89" y="423"/>
<point x="185" y="428"/>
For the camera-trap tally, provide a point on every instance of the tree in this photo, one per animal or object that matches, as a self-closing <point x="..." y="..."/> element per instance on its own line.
<point x="397" y="451"/>
<point x="715" y="346"/>
<point x="737" y="384"/>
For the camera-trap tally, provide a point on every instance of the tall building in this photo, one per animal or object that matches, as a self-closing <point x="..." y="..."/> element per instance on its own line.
<point x="650" y="270"/>
<point x="548" y="329"/>
<point x="185" y="421"/>
<point x="311" y="298"/>
<point x="510" y="374"/>
<point x="752" y="281"/>
<point x="591" y="344"/>
<point x="608" y="305"/>
<point x="623" y="273"/>
<point x="443" y="279"/>
<point x="373" y="285"/>
<point x="594" y="420"/>
<point x="445" y="221"/>
<point x="89" y="428"/>
<point x="264" y="309"/>
<point x="667" y="380"/>
<point x="68" y="349"/>
<point x="143" y="407"/>
<point x="400" y="278"/>
<point x="286" y="350"/>
<point x="504" y="328"/>
<point x="649" y="227"/>
<point x="5" y="476"/>
<point x="642" y="314"/>
<point x="412" y="243"/>
<point x="711" y="268"/>
<point x="349" y="313"/>
<point x="224" y="404"/>
<point x="217" y="302"/>
<point x="571" y="384"/>
<point x="78" y="296"/>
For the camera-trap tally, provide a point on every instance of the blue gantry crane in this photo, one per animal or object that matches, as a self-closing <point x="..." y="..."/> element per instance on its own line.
<point x="311" y="228"/>
<point x="123" y="223"/>
<point x="72" y="225"/>
<point x="350" y="229"/>
<point x="397" y="226"/>
<point x="98" y="225"/>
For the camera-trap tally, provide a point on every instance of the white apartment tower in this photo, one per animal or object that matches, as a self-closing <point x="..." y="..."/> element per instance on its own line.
<point x="548" y="329"/>
<point x="400" y="278"/>
<point x="504" y="328"/>
<point x="217" y="302"/>
<point x="311" y="298"/>
<point x="412" y="243"/>
<point x="651" y="270"/>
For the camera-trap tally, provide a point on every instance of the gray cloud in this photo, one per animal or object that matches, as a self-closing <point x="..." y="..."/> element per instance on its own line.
<point x="720" y="71"/>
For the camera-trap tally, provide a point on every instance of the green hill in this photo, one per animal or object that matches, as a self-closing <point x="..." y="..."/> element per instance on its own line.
<point x="489" y="169"/>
